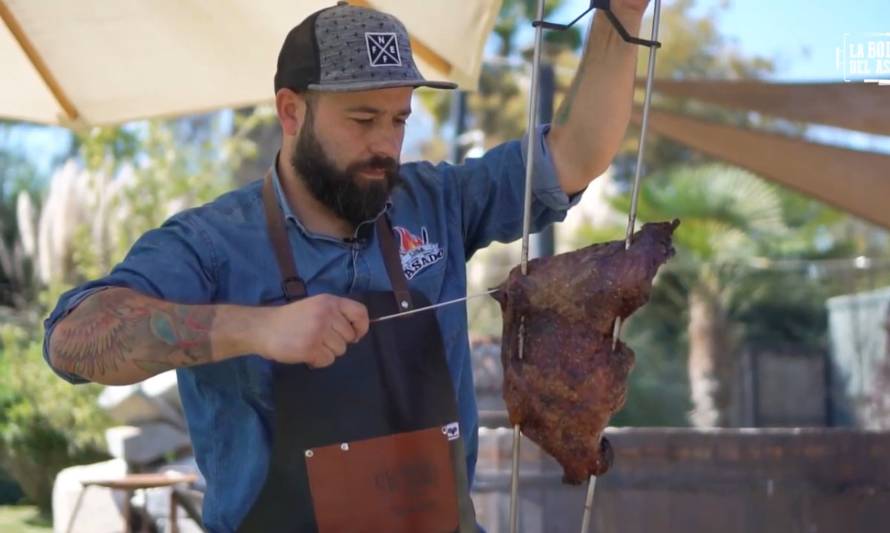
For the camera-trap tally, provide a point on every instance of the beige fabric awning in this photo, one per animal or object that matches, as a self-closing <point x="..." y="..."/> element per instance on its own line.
<point x="854" y="181"/>
<point x="109" y="61"/>
<point x="856" y="106"/>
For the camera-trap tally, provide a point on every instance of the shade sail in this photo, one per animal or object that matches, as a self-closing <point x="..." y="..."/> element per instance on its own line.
<point x="854" y="181"/>
<point x="856" y="106"/>
<point x="109" y="61"/>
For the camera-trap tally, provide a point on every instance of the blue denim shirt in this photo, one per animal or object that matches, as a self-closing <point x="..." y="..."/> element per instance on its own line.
<point x="221" y="253"/>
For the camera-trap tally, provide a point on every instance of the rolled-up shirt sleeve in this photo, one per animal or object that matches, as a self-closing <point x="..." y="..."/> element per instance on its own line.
<point x="175" y="262"/>
<point x="492" y="192"/>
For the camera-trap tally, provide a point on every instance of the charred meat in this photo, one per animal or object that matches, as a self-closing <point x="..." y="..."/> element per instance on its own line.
<point x="570" y="381"/>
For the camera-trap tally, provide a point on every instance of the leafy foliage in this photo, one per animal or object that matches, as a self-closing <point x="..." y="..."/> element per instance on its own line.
<point x="45" y="423"/>
<point x="17" y="175"/>
<point x="164" y="176"/>
<point x="658" y="393"/>
<point x="158" y="168"/>
<point x="726" y="213"/>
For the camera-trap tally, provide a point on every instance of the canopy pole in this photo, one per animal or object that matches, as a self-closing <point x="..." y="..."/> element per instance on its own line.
<point x="71" y="113"/>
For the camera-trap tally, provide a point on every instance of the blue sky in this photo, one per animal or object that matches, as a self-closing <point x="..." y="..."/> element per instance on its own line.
<point x="801" y="35"/>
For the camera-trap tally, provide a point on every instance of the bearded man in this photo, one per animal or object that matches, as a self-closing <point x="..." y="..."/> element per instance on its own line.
<point x="304" y="414"/>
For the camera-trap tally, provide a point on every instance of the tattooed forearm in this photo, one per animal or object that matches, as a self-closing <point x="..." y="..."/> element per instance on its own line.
<point x="120" y="332"/>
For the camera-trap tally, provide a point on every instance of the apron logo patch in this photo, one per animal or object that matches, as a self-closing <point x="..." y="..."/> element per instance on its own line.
<point x="383" y="49"/>
<point x="417" y="253"/>
<point x="452" y="431"/>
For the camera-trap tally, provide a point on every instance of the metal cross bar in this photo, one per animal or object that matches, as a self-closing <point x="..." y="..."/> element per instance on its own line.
<point x="606" y="7"/>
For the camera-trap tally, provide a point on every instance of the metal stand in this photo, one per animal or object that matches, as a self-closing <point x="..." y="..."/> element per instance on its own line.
<point x="540" y="24"/>
<point x="588" y="504"/>
<point x="632" y="217"/>
<point x="526" y="230"/>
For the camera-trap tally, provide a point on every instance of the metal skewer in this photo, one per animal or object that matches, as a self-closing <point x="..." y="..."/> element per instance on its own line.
<point x="434" y="306"/>
<point x="588" y="504"/>
<point x="532" y="140"/>
<point x="653" y="44"/>
<point x="632" y="217"/>
<point x="526" y="230"/>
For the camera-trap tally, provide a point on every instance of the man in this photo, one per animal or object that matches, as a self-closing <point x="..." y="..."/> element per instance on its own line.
<point x="263" y="299"/>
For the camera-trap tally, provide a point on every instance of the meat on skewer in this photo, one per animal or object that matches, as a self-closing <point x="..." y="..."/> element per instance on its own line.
<point x="570" y="381"/>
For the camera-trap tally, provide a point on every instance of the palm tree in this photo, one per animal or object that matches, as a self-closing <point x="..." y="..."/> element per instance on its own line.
<point x="728" y="216"/>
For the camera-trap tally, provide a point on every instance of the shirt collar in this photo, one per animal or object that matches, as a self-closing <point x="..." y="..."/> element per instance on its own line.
<point x="279" y="194"/>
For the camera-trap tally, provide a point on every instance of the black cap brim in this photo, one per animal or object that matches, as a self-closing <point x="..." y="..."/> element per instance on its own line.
<point x="364" y="85"/>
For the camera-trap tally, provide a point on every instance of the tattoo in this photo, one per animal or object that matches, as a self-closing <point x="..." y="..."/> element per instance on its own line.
<point x="153" y="367"/>
<point x="565" y="108"/>
<point x="601" y="38"/>
<point x="116" y="327"/>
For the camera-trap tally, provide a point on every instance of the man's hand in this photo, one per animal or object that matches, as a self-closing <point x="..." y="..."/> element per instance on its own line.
<point x="314" y="330"/>
<point x="118" y="336"/>
<point x="629" y="7"/>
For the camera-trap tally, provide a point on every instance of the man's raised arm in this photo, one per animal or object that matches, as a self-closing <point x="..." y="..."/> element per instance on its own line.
<point x="592" y="120"/>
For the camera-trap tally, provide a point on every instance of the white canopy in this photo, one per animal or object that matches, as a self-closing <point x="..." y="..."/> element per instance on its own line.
<point x="109" y="61"/>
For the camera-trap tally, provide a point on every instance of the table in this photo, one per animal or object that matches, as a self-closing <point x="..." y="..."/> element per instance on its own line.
<point x="130" y="483"/>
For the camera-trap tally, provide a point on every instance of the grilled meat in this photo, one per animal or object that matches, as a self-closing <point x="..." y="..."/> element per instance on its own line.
<point x="570" y="381"/>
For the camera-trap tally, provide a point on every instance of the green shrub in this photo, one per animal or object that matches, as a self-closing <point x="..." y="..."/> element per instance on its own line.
<point x="45" y="423"/>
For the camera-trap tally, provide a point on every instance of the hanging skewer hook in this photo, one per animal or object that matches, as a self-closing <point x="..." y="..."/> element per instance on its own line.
<point x="606" y="7"/>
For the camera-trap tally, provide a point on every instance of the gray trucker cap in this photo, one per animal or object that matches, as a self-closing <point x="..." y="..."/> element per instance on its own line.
<point x="349" y="48"/>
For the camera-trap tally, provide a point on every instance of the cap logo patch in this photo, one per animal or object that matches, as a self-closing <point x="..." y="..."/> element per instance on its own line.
<point x="383" y="49"/>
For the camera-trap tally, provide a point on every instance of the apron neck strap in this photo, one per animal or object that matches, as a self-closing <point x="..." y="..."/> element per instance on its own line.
<point x="293" y="285"/>
<point x="393" y="261"/>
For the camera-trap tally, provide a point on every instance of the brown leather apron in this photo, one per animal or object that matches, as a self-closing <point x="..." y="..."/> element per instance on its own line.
<point x="370" y="443"/>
